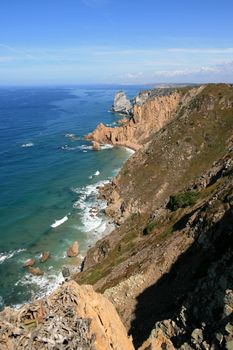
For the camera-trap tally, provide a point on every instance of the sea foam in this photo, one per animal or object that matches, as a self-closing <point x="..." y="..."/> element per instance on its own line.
<point x="8" y="255"/>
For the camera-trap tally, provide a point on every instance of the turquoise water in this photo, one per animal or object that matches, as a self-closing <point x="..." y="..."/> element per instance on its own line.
<point x="46" y="175"/>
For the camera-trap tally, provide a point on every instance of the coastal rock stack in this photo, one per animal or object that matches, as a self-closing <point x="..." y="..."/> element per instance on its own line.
<point x="72" y="251"/>
<point x="121" y="104"/>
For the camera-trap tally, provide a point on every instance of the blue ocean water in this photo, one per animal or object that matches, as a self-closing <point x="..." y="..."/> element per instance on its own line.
<point x="48" y="171"/>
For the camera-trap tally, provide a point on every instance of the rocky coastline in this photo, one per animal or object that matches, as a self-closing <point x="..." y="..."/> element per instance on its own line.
<point x="167" y="267"/>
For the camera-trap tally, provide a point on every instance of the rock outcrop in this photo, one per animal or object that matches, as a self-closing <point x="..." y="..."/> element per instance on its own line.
<point x="73" y="317"/>
<point x="36" y="271"/>
<point x="121" y="104"/>
<point x="72" y="251"/>
<point x="150" y="113"/>
<point x="44" y="256"/>
<point x="29" y="262"/>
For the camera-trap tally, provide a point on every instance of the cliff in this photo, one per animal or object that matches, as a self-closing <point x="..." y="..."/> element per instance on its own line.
<point x="73" y="317"/>
<point x="167" y="268"/>
<point x="151" y="111"/>
<point x="168" y="265"/>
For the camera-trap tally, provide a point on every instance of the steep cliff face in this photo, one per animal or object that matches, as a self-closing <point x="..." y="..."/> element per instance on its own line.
<point x="171" y="158"/>
<point x="150" y="114"/>
<point x="168" y="268"/>
<point x="73" y="317"/>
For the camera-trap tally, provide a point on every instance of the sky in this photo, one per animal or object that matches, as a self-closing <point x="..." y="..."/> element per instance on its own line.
<point x="50" y="42"/>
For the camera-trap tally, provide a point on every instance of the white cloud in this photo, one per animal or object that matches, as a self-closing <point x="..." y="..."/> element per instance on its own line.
<point x="134" y="75"/>
<point x="214" y="73"/>
<point x="187" y="71"/>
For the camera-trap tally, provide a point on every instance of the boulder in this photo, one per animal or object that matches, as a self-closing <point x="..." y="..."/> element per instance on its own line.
<point x="73" y="250"/>
<point x="29" y="262"/>
<point x="44" y="256"/>
<point x="121" y="103"/>
<point x="36" y="271"/>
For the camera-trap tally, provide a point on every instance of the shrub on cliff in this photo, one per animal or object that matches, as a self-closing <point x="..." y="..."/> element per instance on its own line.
<point x="182" y="200"/>
<point x="149" y="228"/>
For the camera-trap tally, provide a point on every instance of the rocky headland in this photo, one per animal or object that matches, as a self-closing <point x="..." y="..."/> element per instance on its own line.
<point x="167" y="268"/>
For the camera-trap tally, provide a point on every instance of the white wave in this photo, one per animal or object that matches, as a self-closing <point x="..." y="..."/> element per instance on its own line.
<point x="46" y="283"/>
<point x="1" y="302"/>
<point x="106" y="146"/>
<point x="9" y="255"/>
<point x="59" y="222"/>
<point x="129" y="150"/>
<point x="97" y="173"/>
<point x="29" y="144"/>
<point x="70" y="136"/>
<point x="90" y="147"/>
<point x="116" y="171"/>
<point x="85" y="147"/>
<point x="91" y="207"/>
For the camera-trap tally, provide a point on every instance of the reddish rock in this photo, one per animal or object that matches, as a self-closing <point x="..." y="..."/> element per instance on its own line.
<point x="29" y="262"/>
<point x="44" y="256"/>
<point x="73" y="250"/>
<point x="36" y="271"/>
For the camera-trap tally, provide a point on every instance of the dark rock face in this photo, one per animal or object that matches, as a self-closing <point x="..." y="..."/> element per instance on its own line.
<point x="192" y="305"/>
<point x="121" y="103"/>
<point x="65" y="272"/>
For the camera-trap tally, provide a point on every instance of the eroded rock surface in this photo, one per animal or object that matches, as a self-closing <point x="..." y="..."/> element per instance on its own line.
<point x="73" y="317"/>
<point x="121" y="103"/>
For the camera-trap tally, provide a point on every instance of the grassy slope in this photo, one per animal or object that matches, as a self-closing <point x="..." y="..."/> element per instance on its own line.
<point x="172" y="161"/>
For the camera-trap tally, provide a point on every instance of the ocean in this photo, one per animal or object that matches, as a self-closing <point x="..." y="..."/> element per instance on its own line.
<point x="47" y="172"/>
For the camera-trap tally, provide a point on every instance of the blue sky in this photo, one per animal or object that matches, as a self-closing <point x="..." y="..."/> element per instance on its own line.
<point x="114" y="41"/>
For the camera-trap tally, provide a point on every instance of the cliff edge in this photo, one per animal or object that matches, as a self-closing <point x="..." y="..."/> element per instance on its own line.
<point x="73" y="317"/>
<point x="150" y="112"/>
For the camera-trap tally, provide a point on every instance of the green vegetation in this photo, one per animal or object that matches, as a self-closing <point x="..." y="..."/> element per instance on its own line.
<point x="182" y="200"/>
<point x="149" y="228"/>
<point x="167" y="232"/>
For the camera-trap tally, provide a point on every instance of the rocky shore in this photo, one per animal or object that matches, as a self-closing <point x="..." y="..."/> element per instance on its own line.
<point x="167" y="268"/>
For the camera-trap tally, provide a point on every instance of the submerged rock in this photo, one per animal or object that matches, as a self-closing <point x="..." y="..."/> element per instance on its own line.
<point x="29" y="262"/>
<point x="72" y="251"/>
<point x="36" y="271"/>
<point x="44" y="256"/>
